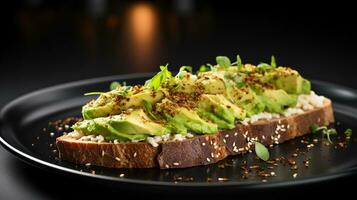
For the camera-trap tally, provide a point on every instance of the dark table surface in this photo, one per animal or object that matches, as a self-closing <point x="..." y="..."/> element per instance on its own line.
<point x="52" y="42"/>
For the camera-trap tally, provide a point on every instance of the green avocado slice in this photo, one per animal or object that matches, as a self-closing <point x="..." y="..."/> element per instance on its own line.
<point x="132" y="126"/>
<point x="113" y="103"/>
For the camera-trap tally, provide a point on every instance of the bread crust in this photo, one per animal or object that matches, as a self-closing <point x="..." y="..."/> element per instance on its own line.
<point x="199" y="150"/>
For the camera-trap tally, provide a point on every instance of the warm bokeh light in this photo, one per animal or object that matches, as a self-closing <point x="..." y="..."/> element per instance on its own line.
<point x="141" y="36"/>
<point x="142" y="22"/>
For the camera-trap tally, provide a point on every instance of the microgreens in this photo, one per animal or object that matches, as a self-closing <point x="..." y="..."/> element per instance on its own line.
<point x="348" y="132"/>
<point x="261" y="151"/>
<point x="148" y="108"/>
<point x="183" y="69"/>
<point x="273" y="62"/>
<point x="93" y="93"/>
<point x="159" y="79"/>
<point x="114" y="85"/>
<point x="223" y="61"/>
<point x="325" y="131"/>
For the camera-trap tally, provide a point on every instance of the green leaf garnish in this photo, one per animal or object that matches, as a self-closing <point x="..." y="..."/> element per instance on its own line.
<point x="263" y="66"/>
<point x="93" y="93"/>
<point x="328" y="133"/>
<point x="160" y="78"/>
<point x="204" y="68"/>
<point x="182" y="69"/>
<point x="315" y="128"/>
<point x="223" y="61"/>
<point x="325" y="131"/>
<point x="239" y="63"/>
<point x="348" y="132"/>
<point x="273" y="62"/>
<point x="148" y="108"/>
<point x="261" y="151"/>
<point x="114" y="85"/>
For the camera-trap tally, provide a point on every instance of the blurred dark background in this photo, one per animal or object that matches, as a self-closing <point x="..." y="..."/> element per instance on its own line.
<point x="46" y="42"/>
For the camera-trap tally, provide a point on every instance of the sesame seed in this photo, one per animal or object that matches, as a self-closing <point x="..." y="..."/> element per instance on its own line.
<point x="121" y="175"/>
<point x="116" y="158"/>
<point x="226" y="136"/>
<point x="93" y="172"/>
<point x="234" y="144"/>
<point x="52" y="134"/>
<point x="176" y="163"/>
<point x="224" y="140"/>
<point x="135" y="154"/>
<point x="209" y="160"/>
<point x="212" y="155"/>
<point x="235" y="134"/>
<point x="203" y="144"/>
<point x="294" y="175"/>
<point x="222" y="179"/>
<point x="288" y="126"/>
<point x="264" y="180"/>
<point x="103" y="153"/>
<point x="272" y="173"/>
<point x="88" y="164"/>
<point x="167" y="166"/>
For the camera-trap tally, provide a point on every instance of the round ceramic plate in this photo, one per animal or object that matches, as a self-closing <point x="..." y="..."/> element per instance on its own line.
<point x="24" y="119"/>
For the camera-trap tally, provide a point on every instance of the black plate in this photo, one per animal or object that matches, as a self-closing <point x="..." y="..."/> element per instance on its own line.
<point x="23" y="119"/>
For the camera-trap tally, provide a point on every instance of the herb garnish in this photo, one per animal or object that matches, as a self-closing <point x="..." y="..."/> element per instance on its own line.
<point x="348" y="132"/>
<point x="315" y="128"/>
<point x="263" y="66"/>
<point x="182" y="69"/>
<point x="204" y="68"/>
<point x="114" y="85"/>
<point x="329" y="132"/>
<point x="93" y="93"/>
<point x="325" y="131"/>
<point x="239" y="63"/>
<point x="223" y="61"/>
<point x="273" y="62"/>
<point x="148" y="108"/>
<point x="261" y="151"/>
<point x="160" y="78"/>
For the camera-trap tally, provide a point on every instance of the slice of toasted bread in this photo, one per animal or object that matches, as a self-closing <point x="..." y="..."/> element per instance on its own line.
<point x="199" y="150"/>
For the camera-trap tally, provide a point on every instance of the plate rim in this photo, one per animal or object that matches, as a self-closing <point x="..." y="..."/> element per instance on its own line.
<point x="42" y="164"/>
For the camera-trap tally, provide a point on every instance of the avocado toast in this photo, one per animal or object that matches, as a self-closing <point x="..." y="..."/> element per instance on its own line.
<point x="195" y="119"/>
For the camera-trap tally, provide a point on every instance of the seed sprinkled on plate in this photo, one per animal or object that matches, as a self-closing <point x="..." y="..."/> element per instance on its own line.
<point x="222" y="179"/>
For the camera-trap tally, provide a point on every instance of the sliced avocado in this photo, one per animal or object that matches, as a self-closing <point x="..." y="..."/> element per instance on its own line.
<point x="135" y="125"/>
<point x="277" y="100"/>
<point x="212" y="82"/>
<point x="246" y="98"/>
<point x="112" y="103"/>
<point x="181" y="119"/>
<point x="291" y="81"/>
<point x="185" y="82"/>
<point x="219" y="110"/>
